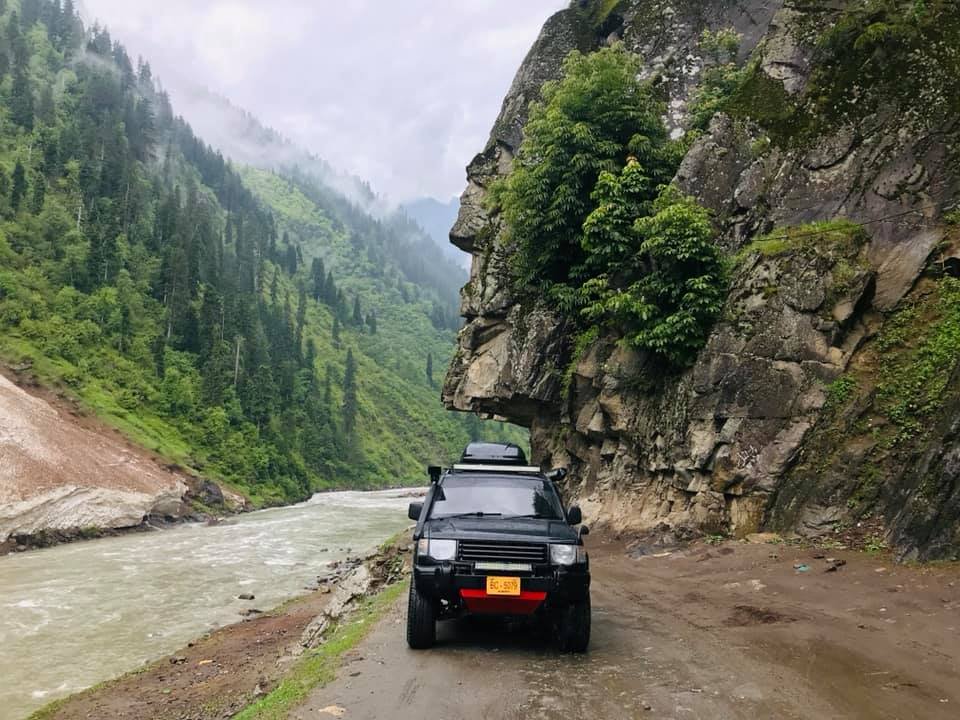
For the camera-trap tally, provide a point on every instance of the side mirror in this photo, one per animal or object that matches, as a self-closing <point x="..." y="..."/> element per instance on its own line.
<point x="557" y="475"/>
<point x="413" y="512"/>
<point x="434" y="471"/>
<point x="574" y="516"/>
<point x="584" y="531"/>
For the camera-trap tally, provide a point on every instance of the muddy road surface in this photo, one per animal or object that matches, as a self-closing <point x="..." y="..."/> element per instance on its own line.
<point x="712" y="632"/>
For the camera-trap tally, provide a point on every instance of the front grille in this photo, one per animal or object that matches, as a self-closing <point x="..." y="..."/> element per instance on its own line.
<point x="478" y="551"/>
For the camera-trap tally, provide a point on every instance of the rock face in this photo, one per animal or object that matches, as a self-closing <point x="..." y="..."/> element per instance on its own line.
<point x="56" y="476"/>
<point x="715" y="448"/>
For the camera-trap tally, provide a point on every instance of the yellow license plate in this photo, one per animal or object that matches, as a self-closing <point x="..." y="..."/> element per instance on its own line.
<point x="503" y="585"/>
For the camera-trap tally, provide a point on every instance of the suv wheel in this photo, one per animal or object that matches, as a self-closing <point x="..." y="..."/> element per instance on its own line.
<point x="575" y="627"/>
<point x="421" y="620"/>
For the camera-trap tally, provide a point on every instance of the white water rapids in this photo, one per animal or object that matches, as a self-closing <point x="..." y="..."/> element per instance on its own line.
<point x="74" y="615"/>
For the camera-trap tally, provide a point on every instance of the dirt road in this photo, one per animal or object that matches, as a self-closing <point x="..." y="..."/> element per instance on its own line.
<point x="733" y="631"/>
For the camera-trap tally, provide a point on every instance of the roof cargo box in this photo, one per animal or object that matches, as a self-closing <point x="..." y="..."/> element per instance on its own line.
<point x="482" y="453"/>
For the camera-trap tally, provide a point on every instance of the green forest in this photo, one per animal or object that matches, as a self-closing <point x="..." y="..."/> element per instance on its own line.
<point x="251" y="325"/>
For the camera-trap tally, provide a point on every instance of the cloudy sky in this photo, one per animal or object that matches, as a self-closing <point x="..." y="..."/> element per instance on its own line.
<point x="400" y="92"/>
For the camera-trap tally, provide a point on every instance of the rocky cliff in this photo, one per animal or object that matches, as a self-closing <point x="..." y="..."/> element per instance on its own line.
<point x="828" y="396"/>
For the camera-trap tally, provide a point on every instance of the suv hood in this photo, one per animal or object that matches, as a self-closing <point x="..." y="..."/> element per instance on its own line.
<point x="505" y="529"/>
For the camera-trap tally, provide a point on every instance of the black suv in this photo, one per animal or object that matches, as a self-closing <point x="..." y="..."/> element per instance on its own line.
<point x="493" y="538"/>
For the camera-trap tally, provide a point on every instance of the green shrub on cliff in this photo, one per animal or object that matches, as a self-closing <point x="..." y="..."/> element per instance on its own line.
<point x="667" y="285"/>
<point x="721" y="76"/>
<point x="588" y="122"/>
<point x="594" y="228"/>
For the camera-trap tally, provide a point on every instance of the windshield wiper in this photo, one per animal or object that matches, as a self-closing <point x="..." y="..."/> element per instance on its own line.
<point x="535" y="516"/>
<point x="468" y="514"/>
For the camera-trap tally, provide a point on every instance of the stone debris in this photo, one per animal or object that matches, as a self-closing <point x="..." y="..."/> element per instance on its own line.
<point x="354" y="585"/>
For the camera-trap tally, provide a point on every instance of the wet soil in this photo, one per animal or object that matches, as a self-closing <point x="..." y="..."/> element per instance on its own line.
<point x="733" y="631"/>
<point x="712" y="632"/>
<point x="216" y="677"/>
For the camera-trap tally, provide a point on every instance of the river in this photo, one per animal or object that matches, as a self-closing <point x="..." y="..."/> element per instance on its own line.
<point x="75" y="615"/>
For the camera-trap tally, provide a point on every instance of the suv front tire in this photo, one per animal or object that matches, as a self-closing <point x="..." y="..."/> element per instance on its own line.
<point x="421" y="620"/>
<point x="574" y="627"/>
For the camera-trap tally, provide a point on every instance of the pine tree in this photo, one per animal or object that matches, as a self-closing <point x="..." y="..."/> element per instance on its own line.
<point x="290" y="260"/>
<point x="318" y="273"/>
<point x="357" y="313"/>
<point x="39" y="195"/>
<point x="46" y="108"/>
<point x="66" y="32"/>
<point x="301" y="318"/>
<point x="144" y="126"/>
<point x="21" y="99"/>
<point x="335" y="334"/>
<point x="144" y="74"/>
<point x="372" y="323"/>
<point x="349" y="411"/>
<point x="330" y="291"/>
<point x="430" y="368"/>
<point x="19" y="189"/>
<point x="274" y="287"/>
<point x="328" y="389"/>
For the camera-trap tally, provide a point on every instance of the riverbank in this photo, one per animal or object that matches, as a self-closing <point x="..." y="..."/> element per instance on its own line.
<point x="261" y="665"/>
<point x="66" y="476"/>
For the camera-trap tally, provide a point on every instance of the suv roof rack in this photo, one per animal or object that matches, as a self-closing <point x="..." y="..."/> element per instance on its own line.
<point x="501" y="469"/>
<point x="488" y="453"/>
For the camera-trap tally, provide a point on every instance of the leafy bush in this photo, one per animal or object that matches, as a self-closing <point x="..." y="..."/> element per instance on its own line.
<point x="594" y="228"/>
<point x="720" y="78"/>
<point x="667" y="292"/>
<point x="841" y="390"/>
<point x="587" y="123"/>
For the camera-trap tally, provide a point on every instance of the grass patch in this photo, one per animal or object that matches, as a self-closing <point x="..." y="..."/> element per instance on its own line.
<point x="318" y="667"/>
<point x="832" y="238"/>
<point x="840" y="390"/>
<point x="918" y="365"/>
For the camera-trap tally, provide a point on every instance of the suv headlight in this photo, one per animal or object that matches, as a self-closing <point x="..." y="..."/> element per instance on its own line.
<point x="437" y="549"/>
<point x="568" y="554"/>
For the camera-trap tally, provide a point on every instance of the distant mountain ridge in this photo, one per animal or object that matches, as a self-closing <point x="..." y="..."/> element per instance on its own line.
<point x="246" y="140"/>
<point x="436" y="218"/>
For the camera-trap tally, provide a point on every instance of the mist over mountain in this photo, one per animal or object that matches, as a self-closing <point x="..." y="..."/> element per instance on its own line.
<point x="349" y="200"/>
<point x="436" y="218"/>
<point x="245" y="139"/>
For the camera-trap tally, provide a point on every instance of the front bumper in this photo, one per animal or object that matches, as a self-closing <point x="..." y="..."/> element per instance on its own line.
<point x="462" y="589"/>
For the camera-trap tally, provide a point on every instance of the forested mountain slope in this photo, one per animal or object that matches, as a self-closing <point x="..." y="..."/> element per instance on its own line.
<point x="178" y="298"/>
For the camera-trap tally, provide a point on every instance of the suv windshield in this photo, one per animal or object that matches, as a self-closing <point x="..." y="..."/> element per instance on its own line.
<point x="497" y="495"/>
